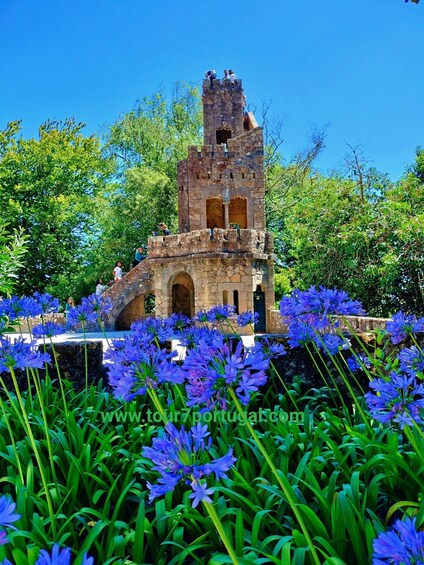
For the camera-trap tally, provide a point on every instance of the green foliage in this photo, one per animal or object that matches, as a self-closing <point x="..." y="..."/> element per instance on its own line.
<point x="12" y="252"/>
<point x="147" y="143"/>
<point x="346" y="473"/>
<point x="47" y="187"/>
<point x="366" y="238"/>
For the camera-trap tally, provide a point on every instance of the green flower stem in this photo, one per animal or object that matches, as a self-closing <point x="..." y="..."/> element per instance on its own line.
<point x="152" y="393"/>
<point x="282" y="480"/>
<point x="221" y="531"/>
<point x="410" y="436"/>
<point x="12" y="439"/>
<point x="65" y="405"/>
<point x="46" y="427"/>
<point x="102" y="328"/>
<point x="36" y="452"/>
<point x="85" y="356"/>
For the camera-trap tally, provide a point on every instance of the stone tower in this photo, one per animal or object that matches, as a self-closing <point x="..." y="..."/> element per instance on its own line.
<point x="222" y="254"/>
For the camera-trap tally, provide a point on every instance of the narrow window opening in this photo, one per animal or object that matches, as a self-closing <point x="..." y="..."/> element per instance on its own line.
<point x="222" y="135"/>
<point x="236" y="300"/>
<point x="231" y="176"/>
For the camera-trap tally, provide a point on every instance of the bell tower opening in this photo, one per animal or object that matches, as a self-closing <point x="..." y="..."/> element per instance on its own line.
<point x="223" y="135"/>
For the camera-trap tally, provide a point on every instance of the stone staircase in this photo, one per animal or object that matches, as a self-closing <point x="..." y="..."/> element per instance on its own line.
<point x="136" y="282"/>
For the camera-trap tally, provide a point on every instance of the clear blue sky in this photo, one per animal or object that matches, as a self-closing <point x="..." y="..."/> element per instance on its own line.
<point x="356" y="65"/>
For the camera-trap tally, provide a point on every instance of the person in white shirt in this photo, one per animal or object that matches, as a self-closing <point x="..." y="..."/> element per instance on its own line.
<point x="117" y="271"/>
<point x="100" y="287"/>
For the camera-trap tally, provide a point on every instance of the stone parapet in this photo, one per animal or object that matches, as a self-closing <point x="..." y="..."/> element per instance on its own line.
<point x="201" y="241"/>
<point x="357" y="324"/>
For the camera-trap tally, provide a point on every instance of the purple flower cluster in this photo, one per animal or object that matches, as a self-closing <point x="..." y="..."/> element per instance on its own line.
<point x="16" y="307"/>
<point x="399" y="399"/>
<point x="358" y="362"/>
<point x="247" y="318"/>
<point x="49" y="329"/>
<point x="46" y="302"/>
<point x="401" y="545"/>
<point x="7" y="517"/>
<point x="60" y="557"/>
<point x="183" y="456"/>
<point x="89" y="311"/>
<point x="192" y="336"/>
<point x="216" y="314"/>
<point x="402" y="325"/>
<point x="136" y="365"/>
<point x="315" y="307"/>
<point x="20" y="355"/>
<point x="153" y="330"/>
<point x="312" y="311"/>
<point x="411" y="360"/>
<point x="28" y="307"/>
<point x="212" y="367"/>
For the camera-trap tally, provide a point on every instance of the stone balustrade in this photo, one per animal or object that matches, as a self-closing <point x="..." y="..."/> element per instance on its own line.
<point x="201" y="241"/>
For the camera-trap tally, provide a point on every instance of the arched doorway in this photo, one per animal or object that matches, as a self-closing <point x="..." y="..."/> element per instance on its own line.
<point x="140" y="307"/>
<point x="182" y="291"/>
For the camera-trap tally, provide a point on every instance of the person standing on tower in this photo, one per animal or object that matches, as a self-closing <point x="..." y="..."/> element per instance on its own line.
<point x="232" y="76"/>
<point x="211" y="75"/>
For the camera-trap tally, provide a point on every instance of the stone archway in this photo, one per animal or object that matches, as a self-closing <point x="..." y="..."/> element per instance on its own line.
<point x="182" y="295"/>
<point x="138" y="308"/>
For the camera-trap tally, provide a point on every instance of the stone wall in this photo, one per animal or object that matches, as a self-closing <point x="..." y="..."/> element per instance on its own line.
<point x="359" y="324"/>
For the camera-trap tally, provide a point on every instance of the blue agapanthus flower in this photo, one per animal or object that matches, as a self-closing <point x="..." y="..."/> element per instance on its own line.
<point x="153" y="330"/>
<point x="317" y="307"/>
<point x="181" y="456"/>
<point x="47" y="302"/>
<point x="402" y="545"/>
<point x="358" y="362"/>
<point x="192" y="336"/>
<point x="48" y="329"/>
<point x="59" y="556"/>
<point x="400" y="400"/>
<point x="211" y="368"/>
<point x="7" y="517"/>
<point x="20" y="307"/>
<point x="402" y="325"/>
<point x="216" y="314"/>
<point x="247" y="318"/>
<point x="135" y="365"/>
<point x="180" y="322"/>
<point x="99" y="304"/>
<point x="21" y="355"/>
<point x="411" y="360"/>
<point x="89" y="311"/>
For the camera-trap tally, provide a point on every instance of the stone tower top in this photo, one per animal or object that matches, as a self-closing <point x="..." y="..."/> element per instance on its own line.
<point x="223" y="105"/>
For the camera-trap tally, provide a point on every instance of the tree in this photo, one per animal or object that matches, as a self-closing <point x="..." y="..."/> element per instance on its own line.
<point x="47" y="187"/>
<point x="147" y="143"/>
